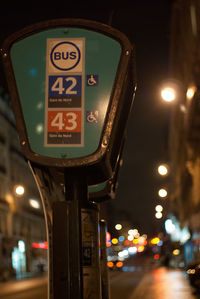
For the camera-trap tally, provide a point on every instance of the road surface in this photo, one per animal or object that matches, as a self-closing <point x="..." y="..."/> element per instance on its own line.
<point x="139" y="280"/>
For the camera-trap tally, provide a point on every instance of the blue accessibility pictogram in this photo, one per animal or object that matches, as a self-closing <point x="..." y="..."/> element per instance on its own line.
<point x="92" y="116"/>
<point x="92" y="80"/>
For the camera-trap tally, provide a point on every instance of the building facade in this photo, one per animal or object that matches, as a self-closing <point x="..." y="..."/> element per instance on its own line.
<point x="185" y="125"/>
<point x="22" y="226"/>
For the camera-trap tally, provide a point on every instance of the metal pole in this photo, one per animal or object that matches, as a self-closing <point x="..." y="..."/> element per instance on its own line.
<point x="72" y="224"/>
<point x="60" y="250"/>
<point x="56" y="212"/>
<point x="75" y="192"/>
<point x="91" y="250"/>
<point x="84" y="248"/>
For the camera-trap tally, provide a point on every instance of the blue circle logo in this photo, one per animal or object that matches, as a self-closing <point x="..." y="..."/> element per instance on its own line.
<point x="65" y="56"/>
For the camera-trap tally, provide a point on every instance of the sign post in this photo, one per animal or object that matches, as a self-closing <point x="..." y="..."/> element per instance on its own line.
<point x="72" y="86"/>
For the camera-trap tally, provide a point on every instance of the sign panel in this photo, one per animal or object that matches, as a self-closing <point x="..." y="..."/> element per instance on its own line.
<point x="65" y="78"/>
<point x="72" y="86"/>
<point x="64" y="98"/>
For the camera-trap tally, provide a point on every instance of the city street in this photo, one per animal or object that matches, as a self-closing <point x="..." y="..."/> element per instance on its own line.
<point x="160" y="283"/>
<point x="100" y="150"/>
<point x="164" y="284"/>
<point x="137" y="281"/>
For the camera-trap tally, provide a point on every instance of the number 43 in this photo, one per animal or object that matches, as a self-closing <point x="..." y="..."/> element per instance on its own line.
<point x="65" y="121"/>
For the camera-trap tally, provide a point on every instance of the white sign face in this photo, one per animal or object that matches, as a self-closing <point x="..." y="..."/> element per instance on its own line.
<point x="64" y="109"/>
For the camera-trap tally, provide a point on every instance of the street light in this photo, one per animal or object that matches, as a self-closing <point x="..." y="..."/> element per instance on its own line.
<point x="34" y="203"/>
<point x="158" y="215"/>
<point x="19" y="190"/>
<point x="159" y="208"/>
<point x="190" y="92"/>
<point x="168" y="94"/>
<point x="171" y="90"/>
<point x="162" y="192"/>
<point x="163" y="169"/>
<point x="118" y="226"/>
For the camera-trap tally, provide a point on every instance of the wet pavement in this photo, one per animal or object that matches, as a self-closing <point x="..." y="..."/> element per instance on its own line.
<point x="25" y="288"/>
<point x="136" y="282"/>
<point x="163" y="283"/>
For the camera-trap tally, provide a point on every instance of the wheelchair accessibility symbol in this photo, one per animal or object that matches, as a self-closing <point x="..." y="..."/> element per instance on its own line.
<point x="92" y="80"/>
<point x="92" y="116"/>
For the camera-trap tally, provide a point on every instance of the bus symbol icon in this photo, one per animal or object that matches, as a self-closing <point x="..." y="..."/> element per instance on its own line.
<point x="65" y="56"/>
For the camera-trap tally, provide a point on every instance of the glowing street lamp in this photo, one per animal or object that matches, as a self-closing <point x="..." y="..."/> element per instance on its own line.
<point x="19" y="190"/>
<point x="163" y="169"/>
<point x="158" y="215"/>
<point x="190" y="92"/>
<point x="162" y="192"/>
<point x="168" y="94"/>
<point x="34" y="203"/>
<point x="118" y="226"/>
<point x="159" y="208"/>
<point x="172" y="90"/>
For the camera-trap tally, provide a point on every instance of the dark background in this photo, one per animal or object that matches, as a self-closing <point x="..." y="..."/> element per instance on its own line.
<point x="147" y="25"/>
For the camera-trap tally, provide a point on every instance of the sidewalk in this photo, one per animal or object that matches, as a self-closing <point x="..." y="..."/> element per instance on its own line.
<point x="14" y="286"/>
<point x="164" y="284"/>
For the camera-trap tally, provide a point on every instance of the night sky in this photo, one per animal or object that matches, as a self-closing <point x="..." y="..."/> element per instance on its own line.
<point x="147" y="25"/>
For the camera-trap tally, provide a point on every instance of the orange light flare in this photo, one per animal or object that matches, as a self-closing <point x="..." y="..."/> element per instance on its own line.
<point x="110" y="264"/>
<point x="114" y="241"/>
<point x="119" y="264"/>
<point x="176" y="252"/>
<point x="108" y="244"/>
<point x="135" y="241"/>
<point x="127" y="242"/>
<point x="140" y="248"/>
<point x="155" y="241"/>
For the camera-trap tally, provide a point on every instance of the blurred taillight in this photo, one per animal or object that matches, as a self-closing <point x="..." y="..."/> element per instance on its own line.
<point x="119" y="264"/>
<point x="110" y="264"/>
<point x="156" y="256"/>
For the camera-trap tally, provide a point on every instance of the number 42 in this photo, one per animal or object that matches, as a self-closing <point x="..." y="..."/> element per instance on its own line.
<point x="58" y="85"/>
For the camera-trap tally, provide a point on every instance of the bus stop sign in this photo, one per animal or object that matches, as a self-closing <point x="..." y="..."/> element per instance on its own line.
<point x="68" y="80"/>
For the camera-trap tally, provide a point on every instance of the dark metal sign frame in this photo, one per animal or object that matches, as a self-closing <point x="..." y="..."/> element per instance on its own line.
<point x="101" y="162"/>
